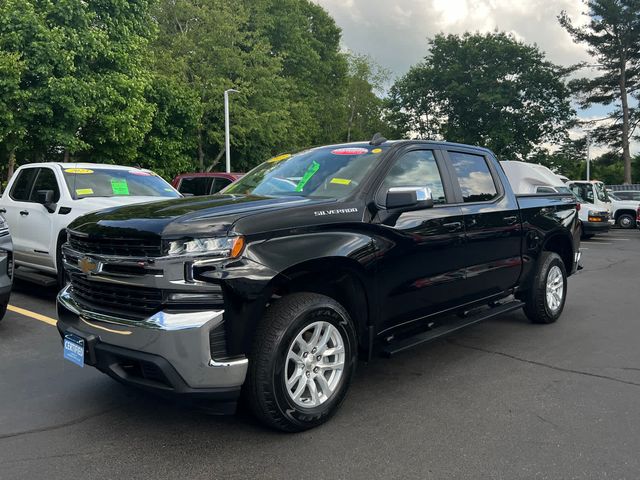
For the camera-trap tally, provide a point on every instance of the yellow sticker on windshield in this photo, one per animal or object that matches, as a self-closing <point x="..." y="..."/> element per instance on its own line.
<point x="340" y="181"/>
<point x="84" y="191"/>
<point x="279" y="158"/>
<point x="376" y="150"/>
<point x="82" y="171"/>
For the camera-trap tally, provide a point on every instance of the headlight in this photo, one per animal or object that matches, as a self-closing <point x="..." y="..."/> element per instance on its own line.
<point x="221" y="247"/>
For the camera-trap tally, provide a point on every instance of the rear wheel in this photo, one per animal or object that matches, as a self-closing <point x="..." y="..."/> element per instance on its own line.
<point x="626" y="220"/>
<point x="302" y="362"/>
<point x="545" y="301"/>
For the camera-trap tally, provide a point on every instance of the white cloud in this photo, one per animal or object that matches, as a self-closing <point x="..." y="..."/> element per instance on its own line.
<point x="395" y="32"/>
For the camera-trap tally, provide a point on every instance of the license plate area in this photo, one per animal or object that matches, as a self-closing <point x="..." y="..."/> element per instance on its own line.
<point x="74" y="349"/>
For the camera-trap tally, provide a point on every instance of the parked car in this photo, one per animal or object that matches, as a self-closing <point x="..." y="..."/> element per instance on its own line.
<point x="625" y="205"/>
<point x="596" y="212"/>
<point x="41" y="199"/>
<point x="6" y="266"/>
<point x="282" y="281"/>
<point x="206" y="183"/>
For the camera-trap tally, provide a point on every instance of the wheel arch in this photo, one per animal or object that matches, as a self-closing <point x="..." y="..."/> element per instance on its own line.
<point x="629" y="211"/>
<point x="340" y="278"/>
<point x="562" y="245"/>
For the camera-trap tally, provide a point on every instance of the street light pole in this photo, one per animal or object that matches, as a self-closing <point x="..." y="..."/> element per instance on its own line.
<point x="588" y="157"/>
<point x="227" y="146"/>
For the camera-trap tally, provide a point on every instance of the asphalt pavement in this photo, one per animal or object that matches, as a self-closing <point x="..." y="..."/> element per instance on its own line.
<point x="501" y="400"/>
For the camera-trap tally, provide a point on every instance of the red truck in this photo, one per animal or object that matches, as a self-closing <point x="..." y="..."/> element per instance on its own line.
<point x="205" y="183"/>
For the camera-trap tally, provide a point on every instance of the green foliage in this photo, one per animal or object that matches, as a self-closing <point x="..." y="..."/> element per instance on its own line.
<point x="83" y="77"/>
<point x="365" y="109"/>
<point x="612" y="37"/>
<point x="484" y="89"/>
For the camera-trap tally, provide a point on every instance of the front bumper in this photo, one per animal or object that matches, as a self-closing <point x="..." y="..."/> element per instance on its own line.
<point x="168" y="352"/>
<point x="596" y="227"/>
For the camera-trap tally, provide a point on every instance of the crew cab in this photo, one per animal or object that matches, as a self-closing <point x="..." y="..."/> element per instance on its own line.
<point x="203" y="183"/>
<point x="276" y="286"/>
<point x="41" y="199"/>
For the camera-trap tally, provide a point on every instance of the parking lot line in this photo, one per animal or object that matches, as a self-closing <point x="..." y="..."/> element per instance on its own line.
<point x="34" y="315"/>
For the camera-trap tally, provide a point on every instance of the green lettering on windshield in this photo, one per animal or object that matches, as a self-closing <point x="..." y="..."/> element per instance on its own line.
<point x="311" y="171"/>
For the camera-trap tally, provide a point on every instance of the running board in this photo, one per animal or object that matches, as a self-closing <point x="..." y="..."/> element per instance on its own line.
<point x="447" y="329"/>
<point x="34" y="277"/>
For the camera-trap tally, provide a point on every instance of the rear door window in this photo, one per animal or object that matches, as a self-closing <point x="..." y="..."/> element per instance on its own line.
<point x="219" y="183"/>
<point x="21" y="190"/>
<point x="196" y="185"/>
<point x="474" y="176"/>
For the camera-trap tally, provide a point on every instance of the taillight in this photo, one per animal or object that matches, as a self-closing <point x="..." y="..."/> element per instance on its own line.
<point x="638" y="215"/>
<point x="578" y="208"/>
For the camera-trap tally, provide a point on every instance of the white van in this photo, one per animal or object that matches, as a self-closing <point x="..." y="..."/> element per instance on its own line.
<point x="596" y="207"/>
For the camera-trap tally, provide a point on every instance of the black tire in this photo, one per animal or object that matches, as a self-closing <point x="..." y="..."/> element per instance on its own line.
<point x="537" y="308"/>
<point x="3" y="310"/>
<point x="626" y="221"/>
<point x="587" y="236"/>
<point x="265" y="388"/>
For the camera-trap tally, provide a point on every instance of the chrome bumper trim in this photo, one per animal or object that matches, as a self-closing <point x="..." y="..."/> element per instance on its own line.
<point x="180" y="338"/>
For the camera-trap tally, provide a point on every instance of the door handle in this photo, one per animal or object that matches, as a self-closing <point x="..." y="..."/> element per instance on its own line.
<point x="511" y="220"/>
<point x="3" y="210"/>
<point x="453" y="226"/>
<point x="24" y="213"/>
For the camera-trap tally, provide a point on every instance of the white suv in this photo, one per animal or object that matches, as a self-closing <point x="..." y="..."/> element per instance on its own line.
<point x="41" y="199"/>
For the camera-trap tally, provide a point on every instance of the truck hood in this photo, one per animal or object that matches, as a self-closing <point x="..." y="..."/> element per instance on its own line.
<point x="210" y="215"/>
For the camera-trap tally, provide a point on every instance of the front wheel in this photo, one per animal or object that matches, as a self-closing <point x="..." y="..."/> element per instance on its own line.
<point x="302" y="362"/>
<point x="545" y="301"/>
<point x="626" y="221"/>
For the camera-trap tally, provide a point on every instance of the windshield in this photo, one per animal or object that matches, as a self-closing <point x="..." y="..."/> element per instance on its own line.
<point x="601" y="192"/>
<point x="332" y="172"/>
<point x="111" y="182"/>
<point x="583" y="191"/>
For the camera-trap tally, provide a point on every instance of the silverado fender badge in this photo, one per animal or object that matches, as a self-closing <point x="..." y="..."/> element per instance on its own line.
<point x="337" y="211"/>
<point x="88" y="265"/>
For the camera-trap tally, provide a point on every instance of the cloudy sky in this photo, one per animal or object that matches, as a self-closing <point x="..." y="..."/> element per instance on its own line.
<point x="395" y="32"/>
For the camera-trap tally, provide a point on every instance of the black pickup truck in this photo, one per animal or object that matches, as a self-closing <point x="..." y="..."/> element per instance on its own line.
<point x="276" y="287"/>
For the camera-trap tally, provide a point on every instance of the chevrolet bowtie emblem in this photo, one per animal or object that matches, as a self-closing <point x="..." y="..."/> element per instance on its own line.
<point x="87" y="265"/>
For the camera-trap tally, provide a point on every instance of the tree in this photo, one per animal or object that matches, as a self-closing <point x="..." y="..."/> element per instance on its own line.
<point x="612" y="37"/>
<point x="208" y="47"/>
<point x="12" y="122"/>
<point x="364" y="107"/>
<point x="568" y="160"/>
<point x="484" y="89"/>
<point x="83" y="77"/>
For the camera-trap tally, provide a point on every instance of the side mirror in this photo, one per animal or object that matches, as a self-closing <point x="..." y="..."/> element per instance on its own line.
<point x="410" y="198"/>
<point x="45" y="198"/>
